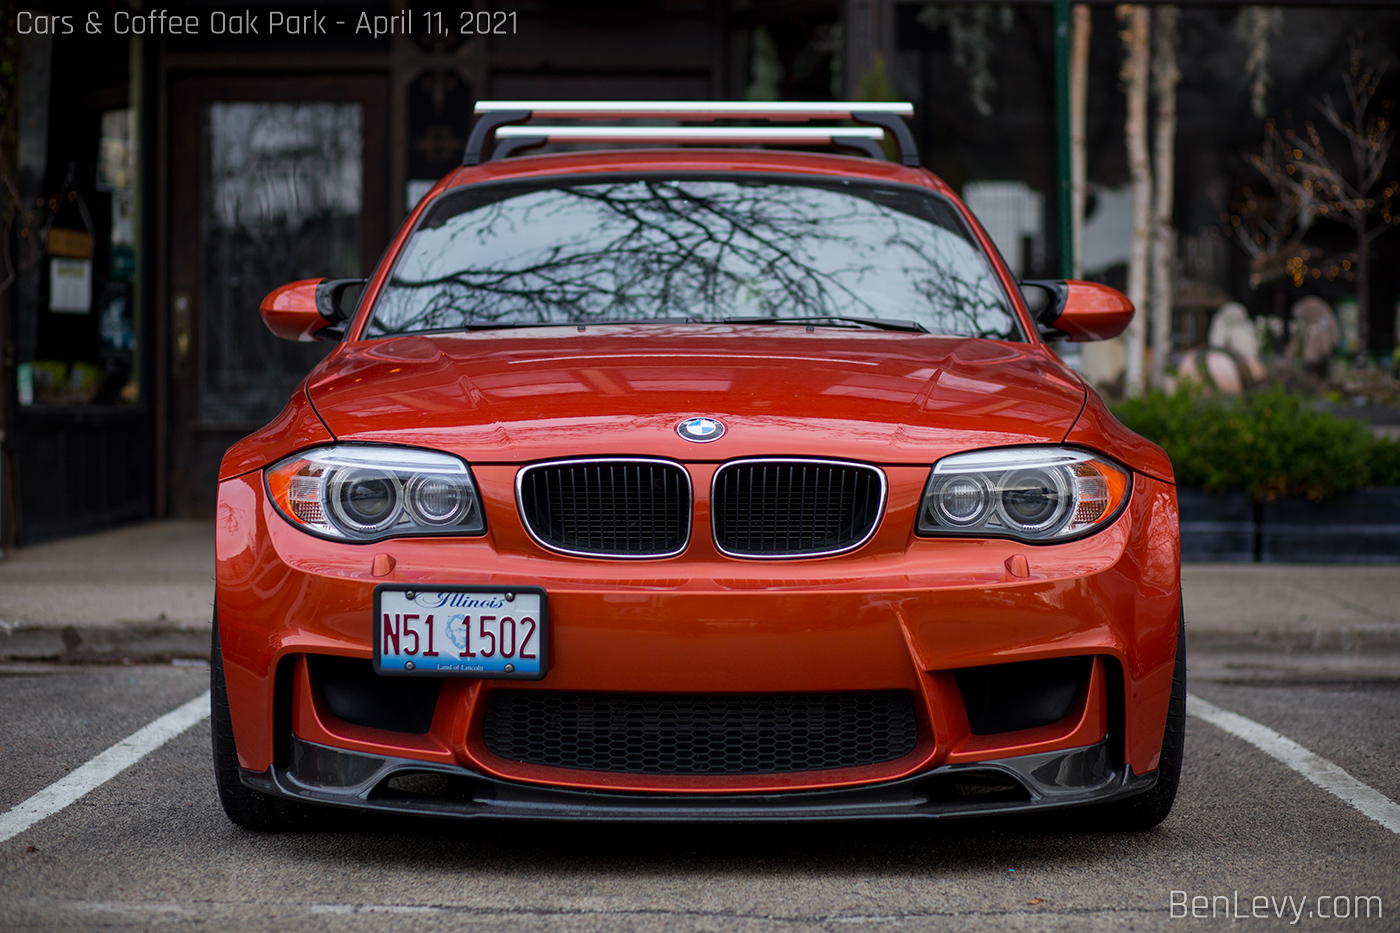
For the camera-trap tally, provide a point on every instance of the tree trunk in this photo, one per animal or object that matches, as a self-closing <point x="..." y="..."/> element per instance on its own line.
<point x="1136" y="27"/>
<point x="1363" y="296"/>
<point x="1078" y="99"/>
<point x="861" y="29"/>
<point x="1165" y="77"/>
<point x="1100" y="362"/>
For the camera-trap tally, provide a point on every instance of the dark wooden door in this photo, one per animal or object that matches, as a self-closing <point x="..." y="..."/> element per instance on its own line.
<point x="273" y="178"/>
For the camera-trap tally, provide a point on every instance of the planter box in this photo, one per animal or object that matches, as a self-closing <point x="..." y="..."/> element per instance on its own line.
<point x="1361" y="527"/>
<point x="1216" y="526"/>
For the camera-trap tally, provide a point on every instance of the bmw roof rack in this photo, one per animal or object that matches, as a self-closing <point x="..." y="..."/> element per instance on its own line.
<point x="507" y="123"/>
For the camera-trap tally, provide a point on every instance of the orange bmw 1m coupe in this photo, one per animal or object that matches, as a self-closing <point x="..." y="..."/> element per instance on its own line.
<point x="706" y="482"/>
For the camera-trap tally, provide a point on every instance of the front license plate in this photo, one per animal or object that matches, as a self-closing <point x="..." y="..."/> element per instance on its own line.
<point x="464" y="631"/>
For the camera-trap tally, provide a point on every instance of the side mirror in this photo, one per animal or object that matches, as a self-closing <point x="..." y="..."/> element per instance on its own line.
<point x="1076" y="311"/>
<point x="311" y="309"/>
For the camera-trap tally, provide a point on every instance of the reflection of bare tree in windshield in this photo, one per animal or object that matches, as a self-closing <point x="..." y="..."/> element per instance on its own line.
<point x="647" y="249"/>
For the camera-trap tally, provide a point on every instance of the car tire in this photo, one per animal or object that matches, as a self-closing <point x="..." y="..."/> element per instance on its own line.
<point x="246" y="807"/>
<point x="1147" y="810"/>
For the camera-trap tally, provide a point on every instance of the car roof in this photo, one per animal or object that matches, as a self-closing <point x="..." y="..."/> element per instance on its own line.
<point x="738" y="161"/>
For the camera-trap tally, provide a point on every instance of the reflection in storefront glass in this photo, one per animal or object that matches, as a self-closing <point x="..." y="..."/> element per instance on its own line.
<point x="281" y="201"/>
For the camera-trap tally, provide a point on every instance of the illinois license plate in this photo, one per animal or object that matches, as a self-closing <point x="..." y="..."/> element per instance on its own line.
<point x="463" y="631"/>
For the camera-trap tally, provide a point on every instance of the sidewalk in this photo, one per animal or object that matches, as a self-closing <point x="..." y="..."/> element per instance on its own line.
<point x="142" y="591"/>
<point x="1292" y="621"/>
<point x="146" y="592"/>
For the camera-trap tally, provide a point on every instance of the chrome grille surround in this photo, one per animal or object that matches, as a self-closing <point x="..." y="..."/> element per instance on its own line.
<point x="875" y="509"/>
<point x="565" y="541"/>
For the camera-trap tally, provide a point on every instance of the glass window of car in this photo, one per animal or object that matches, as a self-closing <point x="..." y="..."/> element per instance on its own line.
<point x="703" y="249"/>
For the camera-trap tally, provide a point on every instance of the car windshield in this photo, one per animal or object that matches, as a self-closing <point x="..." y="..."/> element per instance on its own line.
<point x="702" y="249"/>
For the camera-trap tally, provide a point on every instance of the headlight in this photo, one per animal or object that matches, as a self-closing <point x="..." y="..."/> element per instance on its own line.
<point x="1034" y="494"/>
<point x="364" y="493"/>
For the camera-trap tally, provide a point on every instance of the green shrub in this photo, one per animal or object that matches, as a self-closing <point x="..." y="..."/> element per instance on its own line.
<point x="1268" y="444"/>
<point x="1385" y="464"/>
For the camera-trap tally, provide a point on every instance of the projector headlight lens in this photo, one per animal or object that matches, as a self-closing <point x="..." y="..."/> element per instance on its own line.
<point x="1033" y="494"/>
<point x="364" y="493"/>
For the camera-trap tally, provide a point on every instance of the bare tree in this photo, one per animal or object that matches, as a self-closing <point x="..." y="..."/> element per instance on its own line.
<point x="1136" y="21"/>
<point x="1348" y="188"/>
<point x="1269" y="225"/>
<point x="12" y="208"/>
<point x="1078" y="159"/>
<point x="969" y="30"/>
<point x="1254" y="28"/>
<point x="1165" y="77"/>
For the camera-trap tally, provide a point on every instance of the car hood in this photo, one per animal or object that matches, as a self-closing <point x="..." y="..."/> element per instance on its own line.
<point x="533" y="393"/>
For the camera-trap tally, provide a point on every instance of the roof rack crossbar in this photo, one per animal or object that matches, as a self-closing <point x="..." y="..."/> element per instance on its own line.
<point x="497" y="119"/>
<point x="512" y="139"/>
<point x="696" y="109"/>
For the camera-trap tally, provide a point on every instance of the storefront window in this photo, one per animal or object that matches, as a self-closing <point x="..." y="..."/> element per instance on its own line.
<point x="282" y="190"/>
<point x="85" y="334"/>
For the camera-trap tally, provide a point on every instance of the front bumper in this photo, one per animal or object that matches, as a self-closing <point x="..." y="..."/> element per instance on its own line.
<point x="900" y="614"/>
<point x="318" y="774"/>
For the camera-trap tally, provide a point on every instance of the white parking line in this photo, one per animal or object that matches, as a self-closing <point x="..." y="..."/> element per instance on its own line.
<point x="147" y="739"/>
<point x="1315" y="768"/>
<point x="103" y="768"/>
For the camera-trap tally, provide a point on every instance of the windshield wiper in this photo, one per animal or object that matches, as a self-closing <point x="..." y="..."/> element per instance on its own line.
<point x="503" y="325"/>
<point x="872" y="322"/>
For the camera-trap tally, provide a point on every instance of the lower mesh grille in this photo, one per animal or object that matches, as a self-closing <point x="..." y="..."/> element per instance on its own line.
<point x="700" y="733"/>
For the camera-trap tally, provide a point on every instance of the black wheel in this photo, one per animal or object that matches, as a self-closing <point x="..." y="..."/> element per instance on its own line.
<point x="248" y="808"/>
<point x="1147" y="810"/>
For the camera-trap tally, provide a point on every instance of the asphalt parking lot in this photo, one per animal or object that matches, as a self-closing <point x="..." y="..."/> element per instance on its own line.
<point x="150" y="848"/>
<point x="1310" y="652"/>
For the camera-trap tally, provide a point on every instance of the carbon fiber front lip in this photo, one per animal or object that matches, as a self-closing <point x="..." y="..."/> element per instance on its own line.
<point x="318" y="774"/>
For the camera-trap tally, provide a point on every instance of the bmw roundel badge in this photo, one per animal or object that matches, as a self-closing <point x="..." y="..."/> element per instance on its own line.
<point x="700" y="430"/>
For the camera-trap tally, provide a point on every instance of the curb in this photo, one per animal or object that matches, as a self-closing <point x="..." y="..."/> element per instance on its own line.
<point x="1376" y="646"/>
<point x="95" y="643"/>
<point x="1357" y="655"/>
<point x="1378" y="641"/>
